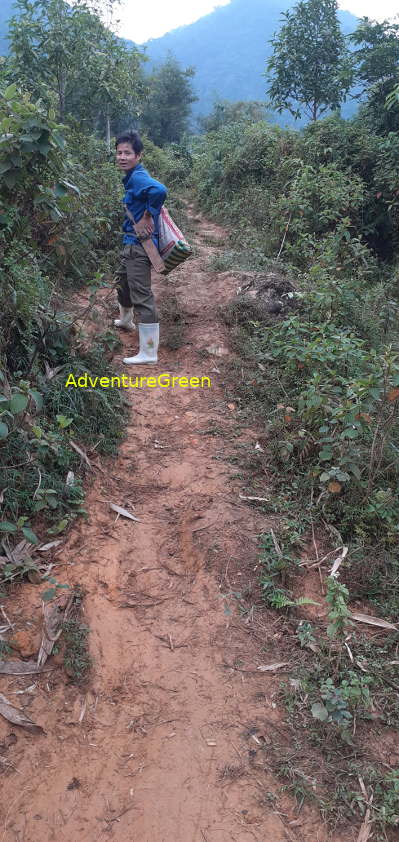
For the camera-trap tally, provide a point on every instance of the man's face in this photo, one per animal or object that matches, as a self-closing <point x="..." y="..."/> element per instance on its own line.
<point x="126" y="157"/>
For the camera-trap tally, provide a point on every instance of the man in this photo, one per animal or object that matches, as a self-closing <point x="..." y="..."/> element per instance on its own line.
<point x="143" y="200"/>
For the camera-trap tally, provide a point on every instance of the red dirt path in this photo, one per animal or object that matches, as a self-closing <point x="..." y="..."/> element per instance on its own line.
<point x="161" y="746"/>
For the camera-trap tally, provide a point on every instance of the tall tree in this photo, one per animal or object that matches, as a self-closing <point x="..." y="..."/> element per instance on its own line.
<point x="65" y="53"/>
<point x="166" y="114"/>
<point x="377" y="70"/>
<point x="310" y="66"/>
<point x="111" y="90"/>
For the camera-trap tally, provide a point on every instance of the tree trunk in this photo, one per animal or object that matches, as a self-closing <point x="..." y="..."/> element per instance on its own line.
<point x="108" y="138"/>
<point x="61" y="93"/>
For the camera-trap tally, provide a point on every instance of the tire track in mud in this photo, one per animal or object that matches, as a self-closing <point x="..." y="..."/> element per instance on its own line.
<point x="160" y="748"/>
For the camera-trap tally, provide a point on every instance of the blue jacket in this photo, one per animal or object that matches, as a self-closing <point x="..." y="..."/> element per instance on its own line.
<point x="142" y="193"/>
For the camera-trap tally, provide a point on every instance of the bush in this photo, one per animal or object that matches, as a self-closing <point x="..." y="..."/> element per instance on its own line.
<point x="57" y="223"/>
<point x="334" y="183"/>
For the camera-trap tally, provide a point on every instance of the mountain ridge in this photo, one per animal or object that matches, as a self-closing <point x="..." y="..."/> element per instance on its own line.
<point x="216" y="45"/>
<point x="228" y="48"/>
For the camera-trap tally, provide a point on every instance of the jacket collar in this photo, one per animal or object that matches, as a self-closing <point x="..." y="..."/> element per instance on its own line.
<point x="129" y="172"/>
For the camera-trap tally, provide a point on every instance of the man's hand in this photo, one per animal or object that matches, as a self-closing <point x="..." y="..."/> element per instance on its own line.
<point x="145" y="226"/>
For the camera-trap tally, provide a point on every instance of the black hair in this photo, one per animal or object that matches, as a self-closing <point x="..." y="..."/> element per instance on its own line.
<point x="133" y="138"/>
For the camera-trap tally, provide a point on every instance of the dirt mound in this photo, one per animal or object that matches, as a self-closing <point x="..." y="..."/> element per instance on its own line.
<point x="261" y="297"/>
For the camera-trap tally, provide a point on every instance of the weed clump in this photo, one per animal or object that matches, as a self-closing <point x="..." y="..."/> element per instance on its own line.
<point x="173" y="322"/>
<point x="52" y="235"/>
<point x="77" y="658"/>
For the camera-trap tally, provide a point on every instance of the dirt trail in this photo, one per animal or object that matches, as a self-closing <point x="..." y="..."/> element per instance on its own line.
<point x="161" y="747"/>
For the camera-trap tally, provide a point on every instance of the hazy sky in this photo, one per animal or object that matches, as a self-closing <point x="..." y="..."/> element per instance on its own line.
<point x="139" y="22"/>
<point x="384" y="10"/>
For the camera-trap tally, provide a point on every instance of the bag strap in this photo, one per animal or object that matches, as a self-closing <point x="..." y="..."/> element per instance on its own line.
<point x="148" y="245"/>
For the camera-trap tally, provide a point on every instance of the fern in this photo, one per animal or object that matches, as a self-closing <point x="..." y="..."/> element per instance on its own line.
<point x="276" y="565"/>
<point x="304" y="600"/>
<point x="278" y="598"/>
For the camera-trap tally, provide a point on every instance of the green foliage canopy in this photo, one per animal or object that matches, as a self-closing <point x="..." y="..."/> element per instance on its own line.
<point x="165" y="117"/>
<point x="377" y="55"/>
<point x="377" y="70"/>
<point x="67" y="56"/>
<point x="310" y="65"/>
<point x="225" y="113"/>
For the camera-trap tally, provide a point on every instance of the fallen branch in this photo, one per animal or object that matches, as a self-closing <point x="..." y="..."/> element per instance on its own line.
<point x="373" y="621"/>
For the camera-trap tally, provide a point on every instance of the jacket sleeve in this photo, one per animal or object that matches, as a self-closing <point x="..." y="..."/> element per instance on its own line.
<point x="151" y="192"/>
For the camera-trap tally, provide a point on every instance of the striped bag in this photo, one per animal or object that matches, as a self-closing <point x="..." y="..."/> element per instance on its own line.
<point x="173" y="246"/>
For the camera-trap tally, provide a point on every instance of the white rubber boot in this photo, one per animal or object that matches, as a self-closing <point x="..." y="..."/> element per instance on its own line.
<point x="149" y="341"/>
<point x="126" y="318"/>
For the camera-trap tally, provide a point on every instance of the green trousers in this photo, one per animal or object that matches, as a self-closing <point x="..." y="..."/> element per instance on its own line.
<point x="133" y="277"/>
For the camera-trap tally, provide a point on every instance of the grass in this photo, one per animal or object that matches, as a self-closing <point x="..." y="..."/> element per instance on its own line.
<point x="329" y="762"/>
<point x="244" y="261"/>
<point x="5" y="649"/>
<point x="77" y="658"/>
<point x="173" y="323"/>
<point x="339" y="702"/>
<point x="342" y="791"/>
<point x="337" y="710"/>
<point x="37" y="455"/>
<point x="97" y="414"/>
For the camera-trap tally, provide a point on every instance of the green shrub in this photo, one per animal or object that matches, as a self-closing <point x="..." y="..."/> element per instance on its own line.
<point x="331" y="187"/>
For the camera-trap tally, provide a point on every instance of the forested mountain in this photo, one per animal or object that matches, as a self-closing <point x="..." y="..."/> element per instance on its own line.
<point x="229" y="48"/>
